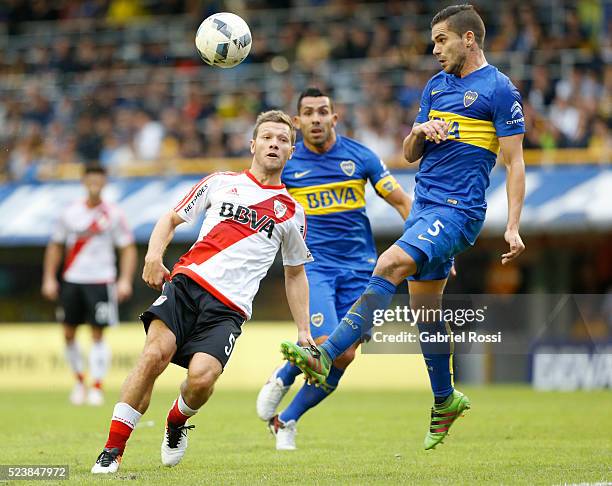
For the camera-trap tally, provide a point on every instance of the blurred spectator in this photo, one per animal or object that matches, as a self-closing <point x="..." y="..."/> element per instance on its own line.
<point x="312" y="49"/>
<point x="89" y="142"/>
<point x="133" y="88"/>
<point x="148" y="136"/>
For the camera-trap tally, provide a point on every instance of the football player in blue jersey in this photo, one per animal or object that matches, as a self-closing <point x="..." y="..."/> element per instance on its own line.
<point x="469" y="111"/>
<point x="327" y="175"/>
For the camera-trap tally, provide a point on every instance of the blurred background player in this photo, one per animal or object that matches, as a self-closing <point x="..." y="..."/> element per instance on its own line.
<point x="327" y="175"/>
<point x="469" y="111"/>
<point x="196" y="321"/>
<point x="90" y="229"/>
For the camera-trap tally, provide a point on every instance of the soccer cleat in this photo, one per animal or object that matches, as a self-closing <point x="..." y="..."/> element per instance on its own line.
<point x="108" y="462"/>
<point x="443" y="417"/>
<point x="313" y="361"/>
<point x="95" y="397"/>
<point x="78" y="395"/>
<point x="284" y="432"/>
<point x="174" y="444"/>
<point x="270" y="396"/>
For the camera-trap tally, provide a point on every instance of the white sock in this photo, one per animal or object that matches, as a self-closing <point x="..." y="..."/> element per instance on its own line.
<point x="125" y="414"/>
<point x="184" y="408"/>
<point x="99" y="360"/>
<point x="73" y="357"/>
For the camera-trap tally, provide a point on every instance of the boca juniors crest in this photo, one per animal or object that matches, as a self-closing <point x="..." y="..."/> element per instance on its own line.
<point x="348" y="167"/>
<point x="469" y="97"/>
<point x="317" y="319"/>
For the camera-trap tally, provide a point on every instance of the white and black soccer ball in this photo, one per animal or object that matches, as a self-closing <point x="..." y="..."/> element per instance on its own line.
<point x="223" y="40"/>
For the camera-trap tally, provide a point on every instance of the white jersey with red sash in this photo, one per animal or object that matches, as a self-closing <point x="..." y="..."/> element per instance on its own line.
<point x="91" y="235"/>
<point x="245" y="225"/>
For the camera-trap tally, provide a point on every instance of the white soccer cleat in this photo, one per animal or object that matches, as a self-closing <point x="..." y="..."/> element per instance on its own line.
<point x="108" y="462"/>
<point x="270" y="396"/>
<point x="78" y="395"/>
<point x="285" y="433"/>
<point x="174" y="444"/>
<point x="95" y="397"/>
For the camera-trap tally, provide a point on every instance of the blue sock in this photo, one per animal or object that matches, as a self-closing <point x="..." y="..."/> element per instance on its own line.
<point x="288" y="373"/>
<point x="310" y="395"/>
<point x="438" y="360"/>
<point x="358" y="320"/>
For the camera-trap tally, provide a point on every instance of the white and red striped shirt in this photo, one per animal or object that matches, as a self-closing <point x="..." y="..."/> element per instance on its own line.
<point x="91" y="235"/>
<point x="245" y="224"/>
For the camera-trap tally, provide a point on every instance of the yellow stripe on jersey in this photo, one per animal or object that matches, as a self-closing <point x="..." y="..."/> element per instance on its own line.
<point x="480" y="133"/>
<point x="331" y="198"/>
<point x="386" y="185"/>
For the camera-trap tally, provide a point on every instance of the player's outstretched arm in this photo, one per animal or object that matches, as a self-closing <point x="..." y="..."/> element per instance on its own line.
<point x="51" y="263"/>
<point x="414" y="143"/>
<point x="296" y="286"/>
<point x="154" y="272"/>
<point x="512" y="155"/>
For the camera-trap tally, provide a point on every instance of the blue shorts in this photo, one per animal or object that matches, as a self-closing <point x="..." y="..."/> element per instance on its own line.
<point x="332" y="293"/>
<point x="433" y="235"/>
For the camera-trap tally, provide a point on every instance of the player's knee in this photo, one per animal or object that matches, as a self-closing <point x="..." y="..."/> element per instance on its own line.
<point x="395" y="265"/>
<point x="69" y="334"/>
<point x="97" y="333"/>
<point x="345" y="359"/>
<point x="155" y="359"/>
<point x="203" y="381"/>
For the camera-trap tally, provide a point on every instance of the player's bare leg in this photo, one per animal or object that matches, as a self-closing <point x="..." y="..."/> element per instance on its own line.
<point x="99" y="362"/>
<point x="74" y="358"/>
<point x="135" y="394"/>
<point x="202" y="374"/>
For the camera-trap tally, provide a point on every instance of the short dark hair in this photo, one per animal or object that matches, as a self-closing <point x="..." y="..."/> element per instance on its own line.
<point x="313" y="92"/>
<point x="462" y="18"/>
<point x="94" y="169"/>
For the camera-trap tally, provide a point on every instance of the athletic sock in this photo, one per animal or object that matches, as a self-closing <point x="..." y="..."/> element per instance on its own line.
<point x="180" y="412"/>
<point x="358" y="320"/>
<point x="122" y="424"/>
<point x="99" y="360"/>
<point x="74" y="358"/>
<point x="310" y="395"/>
<point x="288" y="373"/>
<point x="438" y="360"/>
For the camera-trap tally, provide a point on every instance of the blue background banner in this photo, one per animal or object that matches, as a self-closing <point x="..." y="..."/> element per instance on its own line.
<point x="561" y="198"/>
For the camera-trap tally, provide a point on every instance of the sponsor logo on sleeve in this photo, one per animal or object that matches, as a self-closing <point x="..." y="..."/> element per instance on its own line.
<point x="516" y="111"/>
<point x="197" y="195"/>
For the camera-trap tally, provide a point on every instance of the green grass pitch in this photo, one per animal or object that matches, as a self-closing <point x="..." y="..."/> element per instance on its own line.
<point x="512" y="435"/>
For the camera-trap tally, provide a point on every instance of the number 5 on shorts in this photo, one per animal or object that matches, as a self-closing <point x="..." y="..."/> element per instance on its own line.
<point x="435" y="230"/>
<point x="228" y="349"/>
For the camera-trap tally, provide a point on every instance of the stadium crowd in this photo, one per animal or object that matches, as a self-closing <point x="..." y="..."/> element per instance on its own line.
<point x="119" y="81"/>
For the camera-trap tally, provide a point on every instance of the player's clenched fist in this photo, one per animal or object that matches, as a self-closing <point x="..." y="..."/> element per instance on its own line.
<point x="433" y="130"/>
<point x="154" y="273"/>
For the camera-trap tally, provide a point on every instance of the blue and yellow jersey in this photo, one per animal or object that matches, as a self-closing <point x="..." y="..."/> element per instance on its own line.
<point x="479" y="108"/>
<point x="331" y="189"/>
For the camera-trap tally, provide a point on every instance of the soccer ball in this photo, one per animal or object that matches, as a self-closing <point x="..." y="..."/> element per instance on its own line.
<point x="223" y="40"/>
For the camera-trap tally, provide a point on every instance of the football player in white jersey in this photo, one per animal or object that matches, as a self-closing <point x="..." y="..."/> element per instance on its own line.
<point x="90" y="229"/>
<point x="204" y="301"/>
